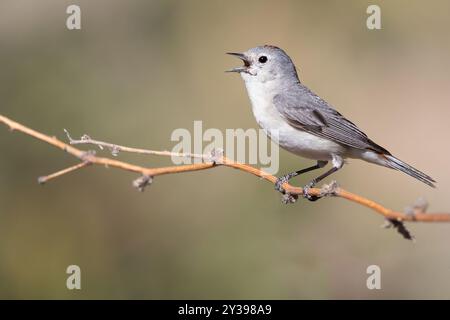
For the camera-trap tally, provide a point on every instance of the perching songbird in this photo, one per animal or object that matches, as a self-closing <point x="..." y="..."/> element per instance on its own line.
<point x="302" y="122"/>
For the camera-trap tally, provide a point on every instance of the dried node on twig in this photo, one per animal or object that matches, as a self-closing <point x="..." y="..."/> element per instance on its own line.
<point x="142" y="182"/>
<point x="330" y="189"/>
<point x="88" y="155"/>
<point x="287" y="198"/>
<point x="400" y="227"/>
<point x="419" y="206"/>
<point x="216" y="156"/>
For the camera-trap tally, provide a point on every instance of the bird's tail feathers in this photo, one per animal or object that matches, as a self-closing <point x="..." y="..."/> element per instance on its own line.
<point x="397" y="164"/>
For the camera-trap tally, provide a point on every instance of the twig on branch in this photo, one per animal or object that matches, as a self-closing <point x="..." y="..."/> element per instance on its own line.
<point x="44" y="179"/>
<point x="210" y="161"/>
<point x="115" y="148"/>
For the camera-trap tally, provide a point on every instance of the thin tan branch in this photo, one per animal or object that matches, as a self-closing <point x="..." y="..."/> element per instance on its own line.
<point x="115" y="148"/>
<point x="211" y="162"/>
<point x="44" y="179"/>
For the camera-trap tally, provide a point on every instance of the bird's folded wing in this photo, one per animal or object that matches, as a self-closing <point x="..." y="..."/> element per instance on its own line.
<point x="306" y="111"/>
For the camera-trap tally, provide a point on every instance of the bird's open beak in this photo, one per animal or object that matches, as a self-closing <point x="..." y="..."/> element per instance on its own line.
<point x="243" y="58"/>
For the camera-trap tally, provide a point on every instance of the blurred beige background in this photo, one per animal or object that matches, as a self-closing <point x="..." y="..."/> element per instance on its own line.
<point x="140" y="69"/>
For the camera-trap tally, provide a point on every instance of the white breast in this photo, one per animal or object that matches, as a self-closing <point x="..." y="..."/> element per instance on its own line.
<point x="271" y="121"/>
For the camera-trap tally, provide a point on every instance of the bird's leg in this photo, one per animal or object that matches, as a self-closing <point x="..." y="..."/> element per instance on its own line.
<point x="283" y="179"/>
<point x="313" y="182"/>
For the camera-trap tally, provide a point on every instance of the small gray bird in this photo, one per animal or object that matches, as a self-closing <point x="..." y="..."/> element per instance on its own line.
<point x="302" y="122"/>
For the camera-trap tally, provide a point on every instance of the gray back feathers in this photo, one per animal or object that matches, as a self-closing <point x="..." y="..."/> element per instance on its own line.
<point x="306" y="111"/>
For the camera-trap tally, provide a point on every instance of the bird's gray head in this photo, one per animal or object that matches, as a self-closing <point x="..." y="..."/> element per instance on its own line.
<point x="265" y="63"/>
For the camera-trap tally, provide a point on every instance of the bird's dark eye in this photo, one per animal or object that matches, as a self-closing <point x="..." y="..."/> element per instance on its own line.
<point x="262" y="59"/>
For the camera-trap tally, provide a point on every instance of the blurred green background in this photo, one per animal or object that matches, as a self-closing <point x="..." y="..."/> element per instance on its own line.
<point x="140" y="69"/>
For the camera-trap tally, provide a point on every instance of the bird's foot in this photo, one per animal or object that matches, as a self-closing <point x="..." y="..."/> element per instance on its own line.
<point x="279" y="183"/>
<point x="286" y="196"/>
<point x="308" y="196"/>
